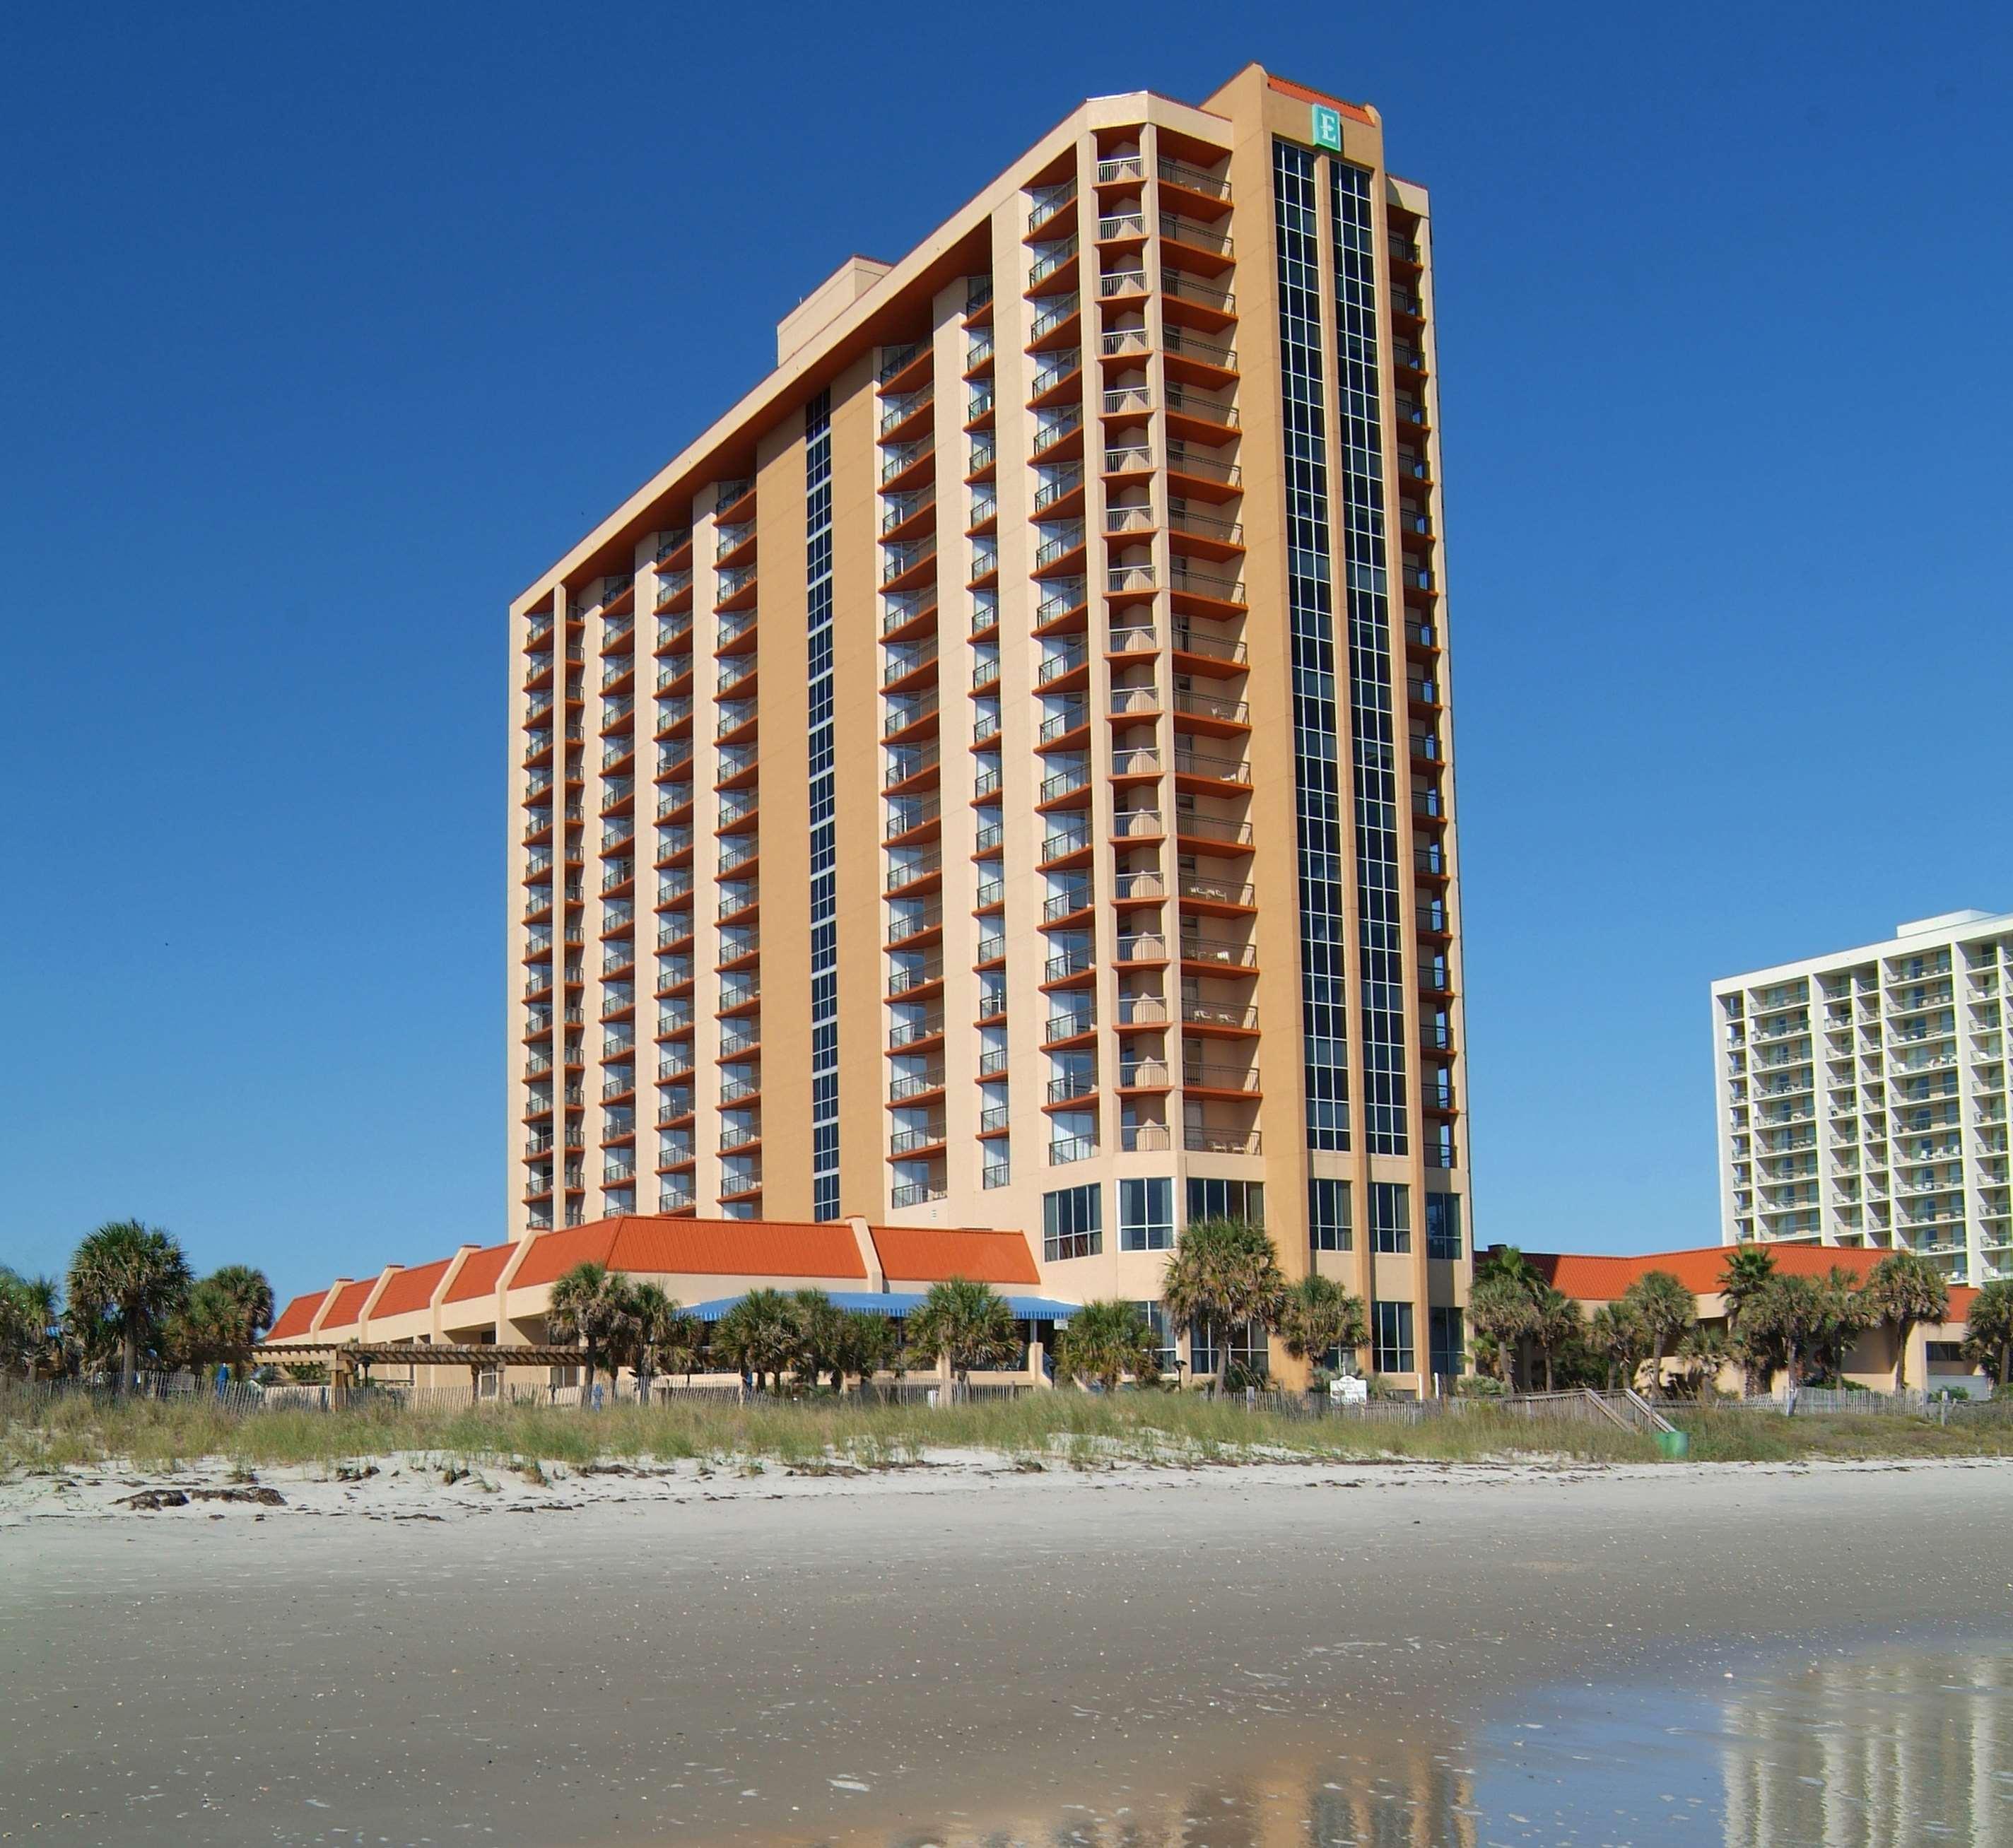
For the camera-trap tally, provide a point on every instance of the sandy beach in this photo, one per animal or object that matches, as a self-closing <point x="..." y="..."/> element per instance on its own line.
<point x="921" y="1655"/>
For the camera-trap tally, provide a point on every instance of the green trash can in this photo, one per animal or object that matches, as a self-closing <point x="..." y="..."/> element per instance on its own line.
<point x="1676" y="1444"/>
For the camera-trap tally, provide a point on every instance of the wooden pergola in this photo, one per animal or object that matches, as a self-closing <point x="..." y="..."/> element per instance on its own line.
<point x="345" y="1357"/>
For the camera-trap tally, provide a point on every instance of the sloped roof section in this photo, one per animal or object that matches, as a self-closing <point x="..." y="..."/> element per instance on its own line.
<point x="928" y="1254"/>
<point x="409" y="1290"/>
<point x="553" y="1254"/>
<point x="1587" y="1277"/>
<point x="734" y="1248"/>
<point x="293" y="1319"/>
<point x="478" y="1276"/>
<point x="348" y="1303"/>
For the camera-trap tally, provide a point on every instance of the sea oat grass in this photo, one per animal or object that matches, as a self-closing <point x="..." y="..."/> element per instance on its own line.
<point x="1060" y="1427"/>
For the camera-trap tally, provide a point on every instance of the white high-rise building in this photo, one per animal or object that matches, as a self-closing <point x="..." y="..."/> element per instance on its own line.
<point x="1863" y="1097"/>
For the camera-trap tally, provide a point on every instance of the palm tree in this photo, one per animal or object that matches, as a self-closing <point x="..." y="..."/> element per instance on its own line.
<point x="1902" y="1290"/>
<point x="1846" y="1311"/>
<point x="1748" y="1270"/>
<point x="1704" y="1350"/>
<point x="1555" y="1321"/>
<point x="1616" y="1333"/>
<point x="594" y="1306"/>
<point x="863" y="1344"/>
<point x="663" y="1339"/>
<point x="133" y="1275"/>
<point x="1317" y="1316"/>
<point x="1103" y="1341"/>
<point x="1225" y="1272"/>
<point x="759" y="1335"/>
<point x="223" y="1315"/>
<point x="819" y="1336"/>
<point x="1666" y="1310"/>
<point x="29" y="1316"/>
<point x="1501" y="1308"/>
<point x="967" y="1323"/>
<point x="1781" y="1320"/>
<point x="242" y="1291"/>
<point x="1989" y="1337"/>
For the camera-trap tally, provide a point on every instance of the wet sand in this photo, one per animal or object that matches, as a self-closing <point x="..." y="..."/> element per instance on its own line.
<point x="909" y="1662"/>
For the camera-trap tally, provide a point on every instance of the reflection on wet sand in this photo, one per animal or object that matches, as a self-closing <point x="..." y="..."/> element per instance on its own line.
<point x="1861" y="1750"/>
<point x="1867" y="1751"/>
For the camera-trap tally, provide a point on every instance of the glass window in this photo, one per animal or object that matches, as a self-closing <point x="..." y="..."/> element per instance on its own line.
<point x="1146" y="1214"/>
<point x="1390" y="1217"/>
<point x="1391" y="1350"/>
<point x="1226" y="1199"/>
<point x="1446" y="1336"/>
<point x="1249" y="1348"/>
<point x="1328" y="1226"/>
<point x="1442" y="1225"/>
<point x="1073" y="1222"/>
<point x="1164" y="1335"/>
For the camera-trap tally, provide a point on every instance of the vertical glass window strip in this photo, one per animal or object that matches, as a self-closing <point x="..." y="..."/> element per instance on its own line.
<point x="1446" y="1338"/>
<point x="1329" y="1227"/>
<point x="1442" y="1225"/>
<point x="823" y="803"/>
<point x="1379" y="898"/>
<point x="1146" y="1214"/>
<point x="1390" y="1216"/>
<point x="1317" y="755"/>
<point x="1072" y="1224"/>
<point x="1391" y="1349"/>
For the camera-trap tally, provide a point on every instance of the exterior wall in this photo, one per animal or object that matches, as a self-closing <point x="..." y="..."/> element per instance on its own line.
<point x="1109" y="306"/>
<point x="1862" y="1098"/>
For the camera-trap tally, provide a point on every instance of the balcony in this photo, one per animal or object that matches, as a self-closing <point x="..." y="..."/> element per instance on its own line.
<point x="1054" y="267"/>
<point x="1199" y="1140"/>
<point x="916" y="1193"/>
<point x="1068" y="1150"/>
<point x="1048" y="328"/>
<point x="902" y="415"/>
<point x="735" y="590"/>
<point x="913" y="1033"/>
<point x="907" y="1145"/>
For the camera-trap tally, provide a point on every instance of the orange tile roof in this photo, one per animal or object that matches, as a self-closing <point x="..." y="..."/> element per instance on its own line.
<point x="553" y="1254"/>
<point x="1589" y="1277"/>
<point x="927" y="1254"/>
<point x="348" y="1304"/>
<point x="478" y="1273"/>
<point x="409" y="1290"/>
<point x="736" y="1248"/>
<point x="293" y="1319"/>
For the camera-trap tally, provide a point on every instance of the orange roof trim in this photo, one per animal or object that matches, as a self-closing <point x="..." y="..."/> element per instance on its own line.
<point x="295" y="1318"/>
<point x="927" y="1254"/>
<point x="408" y="1290"/>
<point x="348" y="1303"/>
<point x="478" y="1275"/>
<point x="1355" y="111"/>
<point x="738" y="1248"/>
<point x="1589" y="1277"/>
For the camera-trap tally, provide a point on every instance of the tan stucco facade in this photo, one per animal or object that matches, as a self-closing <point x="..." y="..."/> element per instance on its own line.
<point x="1069" y="763"/>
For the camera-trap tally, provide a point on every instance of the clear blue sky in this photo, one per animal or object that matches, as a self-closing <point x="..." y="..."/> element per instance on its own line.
<point x="325" y="330"/>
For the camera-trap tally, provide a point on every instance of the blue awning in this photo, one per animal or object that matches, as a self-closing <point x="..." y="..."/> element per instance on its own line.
<point x="900" y="1303"/>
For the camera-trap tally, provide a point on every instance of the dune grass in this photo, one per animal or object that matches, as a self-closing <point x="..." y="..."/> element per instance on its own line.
<point x="1760" y="1437"/>
<point x="1057" y="1430"/>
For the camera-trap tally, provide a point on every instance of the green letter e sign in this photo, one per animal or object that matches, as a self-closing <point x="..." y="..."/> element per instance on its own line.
<point x="1327" y="127"/>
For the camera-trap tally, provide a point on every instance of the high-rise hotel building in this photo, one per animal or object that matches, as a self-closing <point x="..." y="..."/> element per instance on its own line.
<point x="1863" y="1097"/>
<point x="1001" y="773"/>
